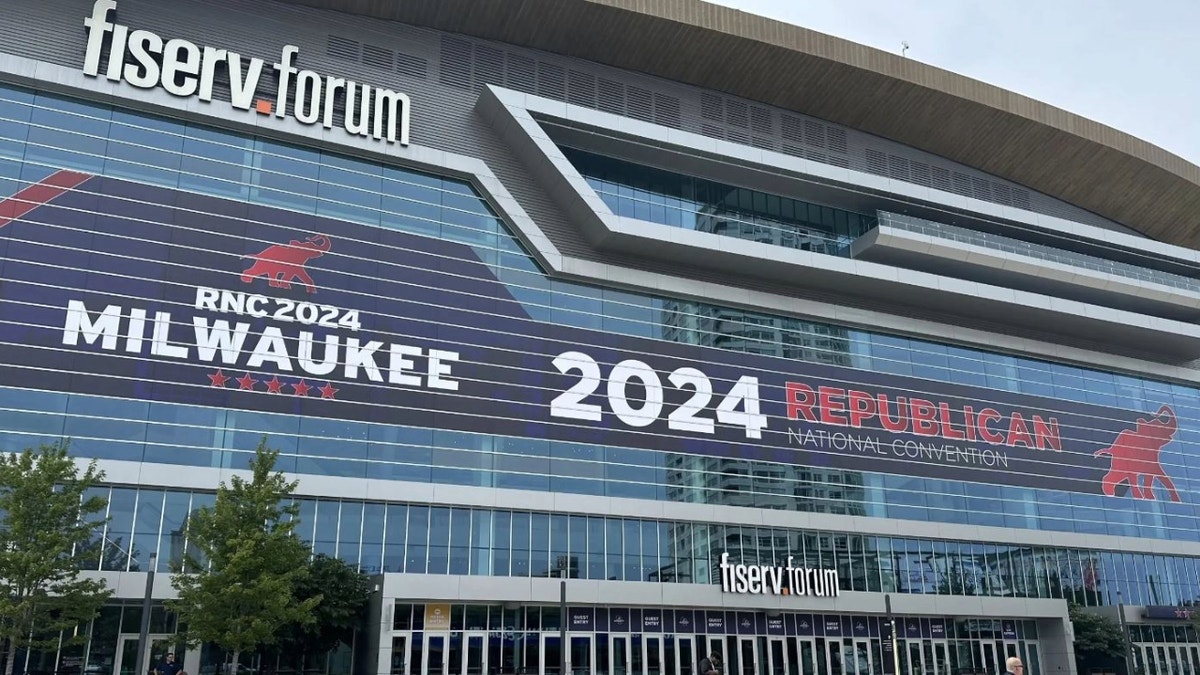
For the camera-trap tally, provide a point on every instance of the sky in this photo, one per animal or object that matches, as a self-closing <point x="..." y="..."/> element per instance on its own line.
<point x="1131" y="64"/>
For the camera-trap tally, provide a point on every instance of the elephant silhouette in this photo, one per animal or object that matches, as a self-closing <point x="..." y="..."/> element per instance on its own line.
<point x="1136" y="456"/>
<point x="283" y="263"/>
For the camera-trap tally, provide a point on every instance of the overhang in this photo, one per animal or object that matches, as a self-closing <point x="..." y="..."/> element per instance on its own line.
<point x="1047" y="149"/>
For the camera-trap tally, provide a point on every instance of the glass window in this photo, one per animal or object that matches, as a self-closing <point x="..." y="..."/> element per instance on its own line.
<point x="326" y="533"/>
<point x="350" y="188"/>
<point x="67" y="134"/>
<point x="395" y="537"/>
<point x="503" y="533"/>
<point x="460" y="541"/>
<point x="520" y="545"/>
<point x="350" y="532"/>
<point x="146" y="529"/>
<point x="372" y="538"/>
<point x="285" y="176"/>
<point x="216" y="163"/>
<point x="106" y="428"/>
<point x="183" y="434"/>
<point x="122" y="503"/>
<point x="328" y="447"/>
<point x="417" y="554"/>
<point x="144" y="149"/>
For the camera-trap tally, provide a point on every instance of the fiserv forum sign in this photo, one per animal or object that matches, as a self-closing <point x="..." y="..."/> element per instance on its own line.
<point x="144" y="59"/>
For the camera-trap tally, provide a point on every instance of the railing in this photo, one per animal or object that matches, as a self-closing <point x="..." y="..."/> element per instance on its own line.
<point x="1039" y="251"/>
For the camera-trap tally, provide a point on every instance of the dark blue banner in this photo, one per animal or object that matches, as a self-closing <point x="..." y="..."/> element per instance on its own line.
<point x="1169" y="612"/>
<point x="121" y="289"/>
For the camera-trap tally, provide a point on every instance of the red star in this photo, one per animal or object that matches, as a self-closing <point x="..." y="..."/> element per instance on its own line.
<point x="327" y="391"/>
<point x="246" y="382"/>
<point x="218" y="379"/>
<point x="301" y="388"/>
<point x="274" y="386"/>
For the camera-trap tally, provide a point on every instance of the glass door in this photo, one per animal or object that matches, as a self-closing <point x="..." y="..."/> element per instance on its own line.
<point x="686" y="660"/>
<point x="778" y="661"/>
<point x="618" y="654"/>
<point x="433" y="657"/>
<point x="551" y="654"/>
<point x="1145" y="656"/>
<point x="1033" y="660"/>
<point x="127" y="653"/>
<point x="926" y="657"/>
<point x="989" y="658"/>
<point x="579" y="658"/>
<point x="400" y="656"/>
<point x="475" y="656"/>
<point x="859" y="660"/>
<point x="937" y="657"/>
<point x="747" y="653"/>
<point x="807" y="655"/>
<point x="653" y="661"/>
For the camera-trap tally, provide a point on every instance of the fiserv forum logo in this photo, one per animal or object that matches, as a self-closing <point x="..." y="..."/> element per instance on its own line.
<point x="1136" y="456"/>
<point x="283" y="263"/>
<point x="145" y="60"/>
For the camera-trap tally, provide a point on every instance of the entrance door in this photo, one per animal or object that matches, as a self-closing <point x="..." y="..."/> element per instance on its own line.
<point x="778" y="659"/>
<point x="618" y="654"/>
<point x="747" y="656"/>
<point x="474" y="654"/>
<point x="551" y="654"/>
<point x="990" y="659"/>
<point x="680" y="655"/>
<point x="433" y="656"/>
<point x="127" y="652"/>
<point x="581" y="657"/>
<point x="927" y="657"/>
<point x="811" y="660"/>
<point x="400" y="655"/>
<point x="857" y="659"/>
<point x="653" y="659"/>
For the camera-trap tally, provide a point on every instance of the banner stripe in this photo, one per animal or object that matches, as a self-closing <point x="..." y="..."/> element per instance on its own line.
<point x="38" y="194"/>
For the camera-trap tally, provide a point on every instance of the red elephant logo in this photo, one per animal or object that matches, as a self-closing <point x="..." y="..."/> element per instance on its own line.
<point x="283" y="263"/>
<point x="1135" y="456"/>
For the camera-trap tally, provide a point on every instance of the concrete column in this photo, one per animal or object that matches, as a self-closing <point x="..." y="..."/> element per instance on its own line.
<point x="377" y="656"/>
<point x="1056" y="641"/>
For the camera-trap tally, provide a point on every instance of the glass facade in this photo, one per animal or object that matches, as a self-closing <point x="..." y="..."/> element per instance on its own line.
<point x="40" y="133"/>
<point x="692" y="203"/>
<point x="423" y="539"/>
<point x="616" y="640"/>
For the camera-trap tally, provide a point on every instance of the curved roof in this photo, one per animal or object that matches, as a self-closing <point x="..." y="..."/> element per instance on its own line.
<point x="1005" y="134"/>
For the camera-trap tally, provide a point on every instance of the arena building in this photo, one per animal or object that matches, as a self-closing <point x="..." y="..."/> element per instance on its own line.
<point x="738" y="329"/>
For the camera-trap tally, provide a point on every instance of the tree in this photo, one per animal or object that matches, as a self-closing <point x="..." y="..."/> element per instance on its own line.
<point x="48" y="522"/>
<point x="343" y="592"/>
<point x="246" y="593"/>
<point x="1099" y="642"/>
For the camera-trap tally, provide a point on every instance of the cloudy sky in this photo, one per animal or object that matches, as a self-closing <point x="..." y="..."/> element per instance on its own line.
<point x="1130" y="64"/>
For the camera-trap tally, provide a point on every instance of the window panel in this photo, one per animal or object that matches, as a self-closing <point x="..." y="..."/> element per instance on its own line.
<point x="122" y="503"/>
<point x="146" y="529"/>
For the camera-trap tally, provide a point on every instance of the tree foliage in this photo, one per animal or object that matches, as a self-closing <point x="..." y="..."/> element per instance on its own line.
<point x="1098" y="639"/>
<point x="344" y="593"/>
<point x="246" y="593"/>
<point x="46" y="532"/>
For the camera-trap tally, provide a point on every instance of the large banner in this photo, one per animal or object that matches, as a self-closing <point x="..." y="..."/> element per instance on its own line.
<point x="121" y="289"/>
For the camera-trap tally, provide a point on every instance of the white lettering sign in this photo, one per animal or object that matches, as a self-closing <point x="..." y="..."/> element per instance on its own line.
<point x="276" y="348"/>
<point x="146" y="60"/>
<point x="777" y="580"/>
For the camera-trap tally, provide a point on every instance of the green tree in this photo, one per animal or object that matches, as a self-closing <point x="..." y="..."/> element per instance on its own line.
<point x="246" y="593"/>
<point x="48" y="522"/>
<point x="344" y="593"/>
<point x="1099" y="643"/>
